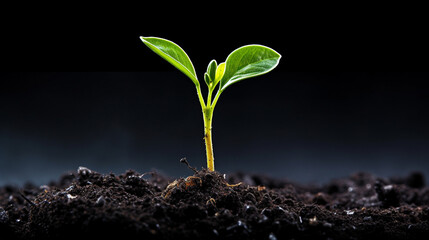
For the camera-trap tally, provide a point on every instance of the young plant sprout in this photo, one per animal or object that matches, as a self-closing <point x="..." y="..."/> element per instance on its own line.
<point x="245" y="62"/>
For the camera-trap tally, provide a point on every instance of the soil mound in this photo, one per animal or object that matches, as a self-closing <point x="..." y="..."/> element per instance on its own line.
<point x="209" y="205"/>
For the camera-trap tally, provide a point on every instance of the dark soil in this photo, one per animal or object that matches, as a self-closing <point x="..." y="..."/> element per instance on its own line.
<point x="209" y="206"/>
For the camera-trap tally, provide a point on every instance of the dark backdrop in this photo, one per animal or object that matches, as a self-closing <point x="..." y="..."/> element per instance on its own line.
<point x="347" y="96"/>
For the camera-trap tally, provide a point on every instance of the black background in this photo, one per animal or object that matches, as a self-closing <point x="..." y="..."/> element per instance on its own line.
<point x="350" y="94"/>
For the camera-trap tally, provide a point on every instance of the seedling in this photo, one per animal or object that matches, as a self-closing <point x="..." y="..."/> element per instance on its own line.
<point x="245" y="62"/>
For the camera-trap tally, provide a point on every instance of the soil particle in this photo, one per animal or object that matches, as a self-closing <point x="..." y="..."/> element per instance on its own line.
<point x="387" y="194"/>
<point x="207" y="205"/>
<point x="4" y="217"/>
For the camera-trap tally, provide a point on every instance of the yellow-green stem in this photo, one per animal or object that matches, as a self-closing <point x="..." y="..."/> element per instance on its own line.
<point x="208" y="109"/>
<point x="208" y="116"/>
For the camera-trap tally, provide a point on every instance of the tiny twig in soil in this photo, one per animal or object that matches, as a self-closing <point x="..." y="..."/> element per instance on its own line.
<point x="26" y="199"/>
<point x="153" y="173"/>
<point x="183" y="160"/>
<point x="233" y="185"/>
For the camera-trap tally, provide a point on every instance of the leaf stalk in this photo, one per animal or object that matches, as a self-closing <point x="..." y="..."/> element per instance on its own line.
<point x="200" y="96"/>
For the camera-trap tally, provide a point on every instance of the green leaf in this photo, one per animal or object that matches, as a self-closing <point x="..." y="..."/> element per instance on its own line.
<point x="173" y="54"/>
<point x="248" y="61"/>
<point x="220" y="70"/>
<point x="211" y="71"/>
<point x="207" y="79"/>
